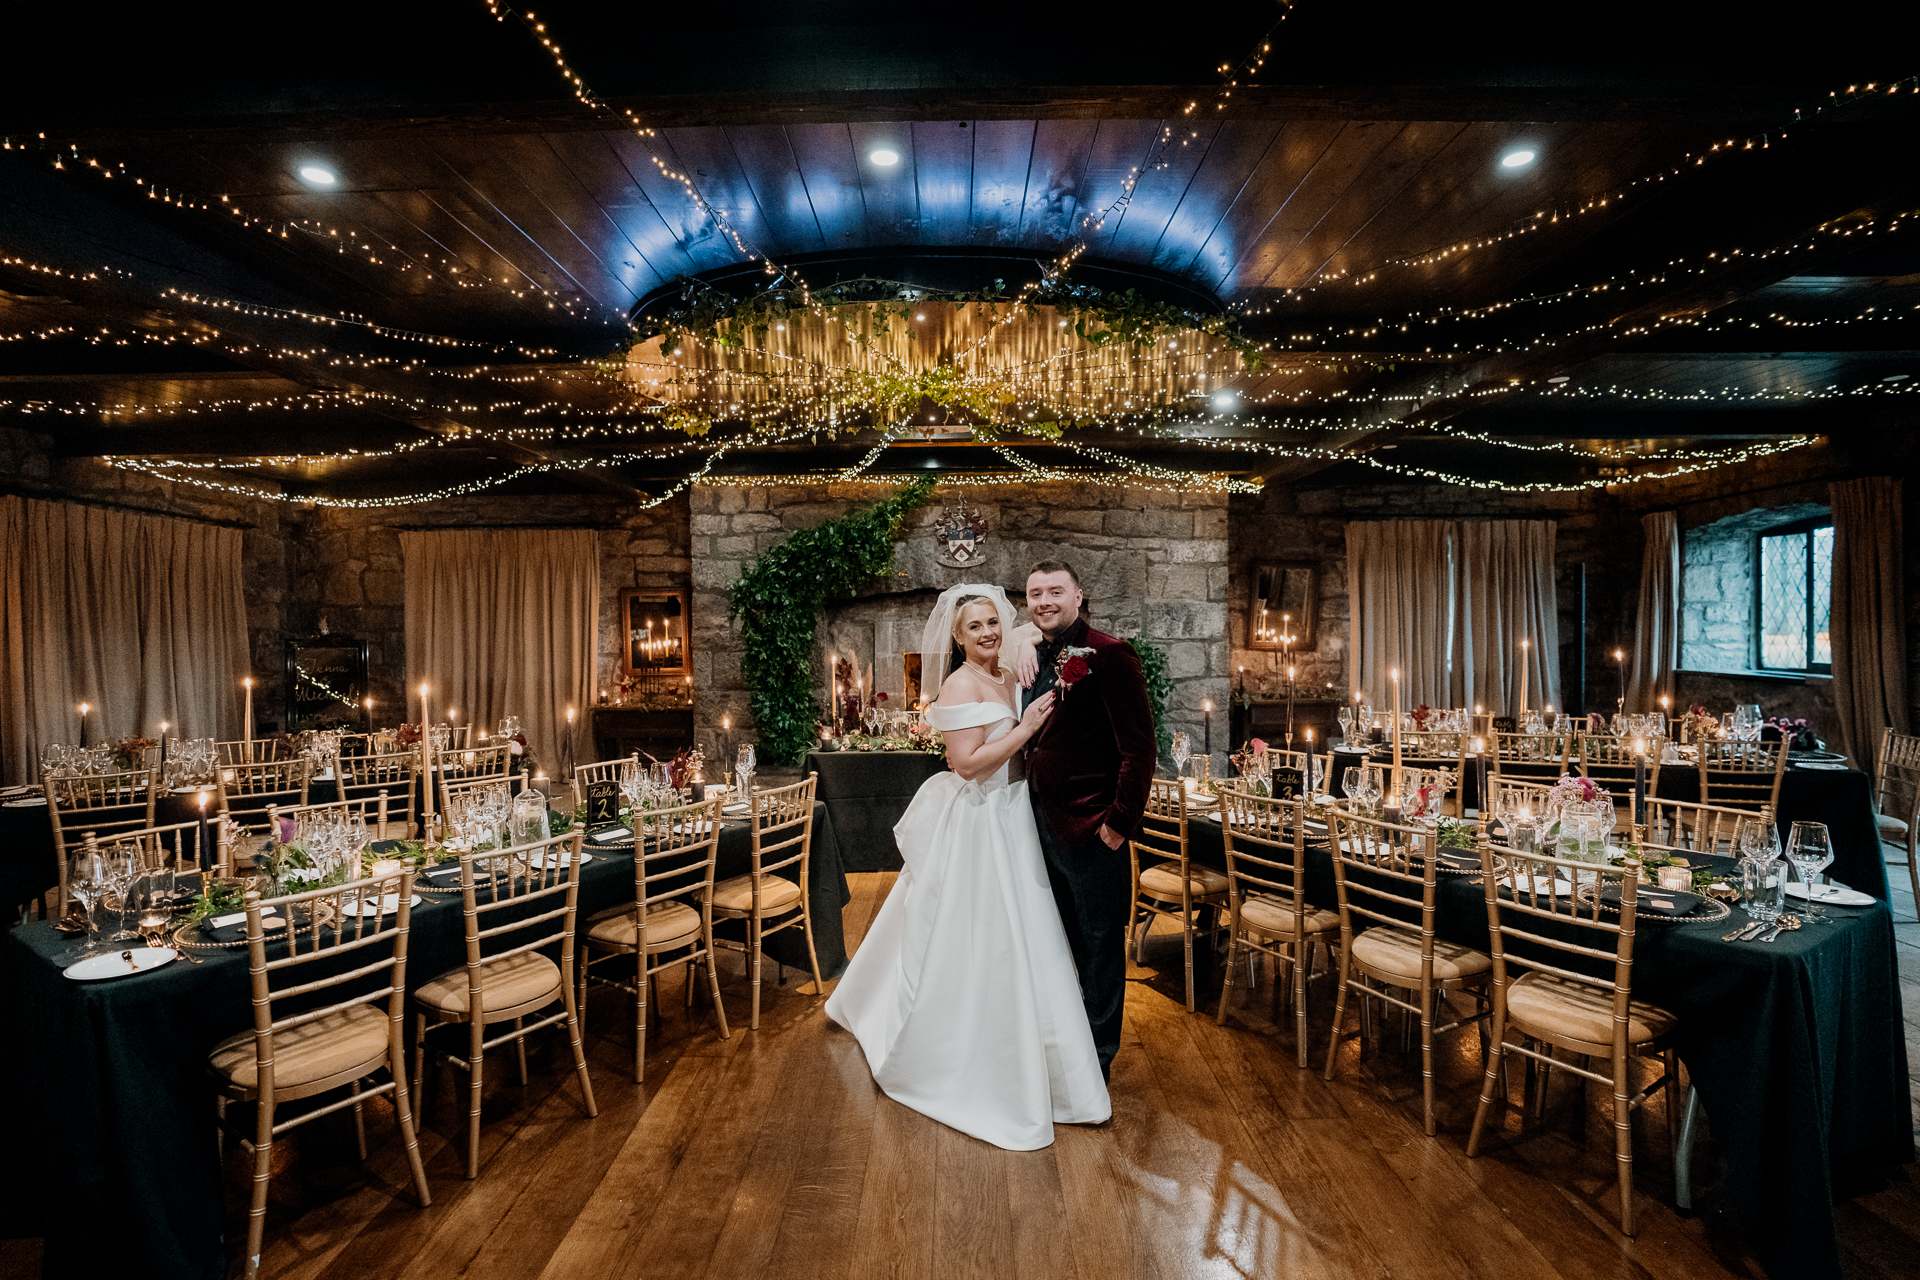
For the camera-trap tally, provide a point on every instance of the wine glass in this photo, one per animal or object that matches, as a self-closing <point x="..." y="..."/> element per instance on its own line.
<point x="1182" y="752"/>
<point x="743" y="763"/>
<point x="1810" y="851"/>
<point x="87" y="879"/>
<point x="1346" y="723"/>
<point x="1352" y="781"/>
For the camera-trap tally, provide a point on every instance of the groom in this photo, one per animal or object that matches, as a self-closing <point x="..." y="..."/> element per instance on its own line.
<point x="1089" y="770"/>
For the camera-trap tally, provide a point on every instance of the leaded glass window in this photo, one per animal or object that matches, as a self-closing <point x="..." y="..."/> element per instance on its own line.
<point x="1795" y="597"/>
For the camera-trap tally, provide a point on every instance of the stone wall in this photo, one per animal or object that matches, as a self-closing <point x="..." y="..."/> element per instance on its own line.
<point x="1152" y="564"/>
<point x="1716" y="612"/>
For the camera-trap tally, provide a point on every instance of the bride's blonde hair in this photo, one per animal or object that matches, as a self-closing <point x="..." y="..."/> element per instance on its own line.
<point x="957" y="656"/>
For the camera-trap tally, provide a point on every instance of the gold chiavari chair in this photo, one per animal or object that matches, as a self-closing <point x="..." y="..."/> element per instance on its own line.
<point x="599" y="771"/>
<point x="674" y="853"/>
<point x="320" y="947"/>
<point x="1742" y="775"/>
<point x="175" y="847"/>
<point x="246" y="791"/>
<point x="1531" y="755"/>
<point x="1386" y="877"/>
<point x="472" y="764"/>
<point x="1576" y="989"/>
<point x="1681" y="826"/>
<point x="1896" y="795"/>
<point x="782" y="821"/>
<point x="246" y="751"/>
<point x="1170" y="883"/>
<point x="532" y="892"/>
<point x="1611" y="761"/>
<point x="388" y="778"/>
<point x="1268" y="912"/>
<point x="102" y="804"/>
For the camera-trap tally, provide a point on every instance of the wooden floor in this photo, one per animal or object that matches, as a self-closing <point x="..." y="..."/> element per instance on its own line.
<point x="772" y="1154"/>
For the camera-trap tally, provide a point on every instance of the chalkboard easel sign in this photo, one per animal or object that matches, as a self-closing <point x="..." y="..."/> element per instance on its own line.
<point x="326" y="683"/>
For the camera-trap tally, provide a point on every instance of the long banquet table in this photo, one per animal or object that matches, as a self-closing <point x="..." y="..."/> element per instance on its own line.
<point x="1795" y="1047"/>
<point x="868" y="792"/>
<point x="109" y="1116"/>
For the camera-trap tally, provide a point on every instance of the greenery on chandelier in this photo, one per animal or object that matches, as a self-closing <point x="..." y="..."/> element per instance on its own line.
<point x="1098" y="316"/>
<point x="778" y="599"/>
<point x="1153" y="665"/>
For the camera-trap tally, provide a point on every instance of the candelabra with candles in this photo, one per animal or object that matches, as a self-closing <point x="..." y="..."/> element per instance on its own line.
<point x="662" y="655"/>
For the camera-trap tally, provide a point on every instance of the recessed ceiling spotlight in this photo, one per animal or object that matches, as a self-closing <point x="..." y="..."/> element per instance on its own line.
<point x="1517" y="159"/>
<point x="1896" y="377"/>
<point x="1559" y="377"/>
<point x="884" y="157"/>
<point x="318" y="175"/>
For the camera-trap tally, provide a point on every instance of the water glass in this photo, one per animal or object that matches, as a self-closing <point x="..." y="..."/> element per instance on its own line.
<point x="743" y="767"/>
<point x="1811" y="852"/>
<point x="1763" y="888"/>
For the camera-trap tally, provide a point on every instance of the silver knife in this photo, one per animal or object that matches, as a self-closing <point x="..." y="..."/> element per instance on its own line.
<point x="1770" y="934"/>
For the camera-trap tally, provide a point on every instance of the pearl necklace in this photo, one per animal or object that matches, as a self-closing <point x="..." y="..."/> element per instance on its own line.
<point x="1000" y="679"/>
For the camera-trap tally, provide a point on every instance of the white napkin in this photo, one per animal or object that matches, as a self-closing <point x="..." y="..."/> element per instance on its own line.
<point x="221" y="922"/>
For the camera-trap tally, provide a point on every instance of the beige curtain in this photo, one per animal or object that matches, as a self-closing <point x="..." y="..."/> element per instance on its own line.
<point x="143" y="617"/>
<point x="502" y="622"/>
<point x="1656" y="631"/>
<point x="1868" y="626"/>
<point x="1503" y="594"/>
<point x="1400" y="584"/>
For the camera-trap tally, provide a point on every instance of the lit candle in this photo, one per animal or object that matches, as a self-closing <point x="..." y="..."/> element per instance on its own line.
<point x="163" y="742"/>
<point x="1620" y="665"/>
<point x="1396" y="728"/>
<point x="206" y="851"/>
<point x="1206" y="722"/>
<point x="248" y="684"/>
<point x="1479" y="777"/>
<point x="369" y="716"/>
<point x="1525" y="647"/>
<point x="426" y="763"/>
<point x="84" y="708"/>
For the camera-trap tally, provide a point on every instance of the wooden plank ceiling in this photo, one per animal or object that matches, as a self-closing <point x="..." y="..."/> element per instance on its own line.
<point x="177" y="290"/>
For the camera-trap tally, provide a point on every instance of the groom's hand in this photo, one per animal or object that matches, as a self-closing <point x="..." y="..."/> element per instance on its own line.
<point x="1109" y="837"/>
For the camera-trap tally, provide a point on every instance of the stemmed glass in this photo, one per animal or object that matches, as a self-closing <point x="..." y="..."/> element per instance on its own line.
<point x="631" y="782"/>
<point x="1810" y="852"/>
<point x="743" y="769"/>
<point x="1182" y="752"/>
<point x="1346" y="723"/>
<point x="87" y="880"/>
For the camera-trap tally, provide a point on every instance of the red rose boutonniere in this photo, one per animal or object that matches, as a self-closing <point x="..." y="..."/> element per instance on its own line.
<point x="1071" y="666"/>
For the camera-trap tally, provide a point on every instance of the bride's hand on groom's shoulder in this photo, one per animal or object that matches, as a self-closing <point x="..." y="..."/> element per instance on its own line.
<point x="1036" y="715"/>
<point x="1028" y="668"/>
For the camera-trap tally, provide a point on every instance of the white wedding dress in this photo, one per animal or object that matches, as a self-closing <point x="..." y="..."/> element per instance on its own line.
<point x="963" y="993"/>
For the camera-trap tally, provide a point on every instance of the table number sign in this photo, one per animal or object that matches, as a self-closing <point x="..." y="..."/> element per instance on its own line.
<point x="603" y="804"/>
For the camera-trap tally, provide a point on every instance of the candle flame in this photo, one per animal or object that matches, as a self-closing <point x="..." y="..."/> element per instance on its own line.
<point x="1207" y="706"/>
<point x="84" y="708"/>
<point x="248" y="682"/>
<point x="423" y="690"/>
<point x="569" y="715"/>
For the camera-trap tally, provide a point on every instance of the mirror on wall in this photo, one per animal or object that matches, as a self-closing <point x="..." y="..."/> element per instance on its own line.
<point x="1283" y="602"/>
<point x="326" y="683"/>
<point x="654" y="635"/>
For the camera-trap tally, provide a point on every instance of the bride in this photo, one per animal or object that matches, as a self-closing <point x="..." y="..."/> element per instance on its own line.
<point x="963" y="993"/>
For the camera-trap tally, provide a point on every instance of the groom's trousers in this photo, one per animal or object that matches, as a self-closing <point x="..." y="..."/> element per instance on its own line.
<point x="1093" y="886"/>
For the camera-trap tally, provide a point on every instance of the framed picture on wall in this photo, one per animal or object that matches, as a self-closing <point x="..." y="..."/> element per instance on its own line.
<point x="326" y="683"/>
<point x="1283" y="601"/>
<point x="653" y="632"/>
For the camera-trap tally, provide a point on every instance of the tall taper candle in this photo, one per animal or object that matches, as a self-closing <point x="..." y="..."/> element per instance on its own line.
<point x="1639" y="782"/>
<point x="1620" y="666"/>
<point x="426" y="765"/>
<point x="248" y="683"/>
<point x="84" y="708"/>
<point x="369" y="722"/>
<point x="163" y="742"/>
<point x="1206" y="722"/>
<point x="1396" y="730"/>
<point x="1525" y="647"/>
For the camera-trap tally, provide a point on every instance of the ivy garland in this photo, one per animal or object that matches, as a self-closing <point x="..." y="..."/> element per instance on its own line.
<point x="1153" y="665"/>
<point x="778" y="599"/>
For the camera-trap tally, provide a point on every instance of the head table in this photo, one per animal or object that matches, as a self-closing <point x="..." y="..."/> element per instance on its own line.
<point x="868" y="792"/>
<point x="111" y="1122"/>
<point x="1795" y="1047"/>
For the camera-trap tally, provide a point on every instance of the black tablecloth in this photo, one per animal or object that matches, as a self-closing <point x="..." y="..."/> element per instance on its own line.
<point x="109" y="1108"/>
<point x="1795" y="1047"/>
<point x="1841" y="798"/>
<point x="868" y="791"/>
<point x="27" y="867"/>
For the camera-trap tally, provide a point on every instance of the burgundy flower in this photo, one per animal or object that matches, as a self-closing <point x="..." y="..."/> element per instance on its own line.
<point x="1075" y="670"/>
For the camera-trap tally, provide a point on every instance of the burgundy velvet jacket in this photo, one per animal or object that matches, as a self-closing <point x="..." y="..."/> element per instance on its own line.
<point x="1093" y="760"/>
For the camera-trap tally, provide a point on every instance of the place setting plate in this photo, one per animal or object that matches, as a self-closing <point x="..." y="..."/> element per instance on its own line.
<point x="120" y="964"/>
<point x="1831" y="895"/>
<point x="1666" y="906"/>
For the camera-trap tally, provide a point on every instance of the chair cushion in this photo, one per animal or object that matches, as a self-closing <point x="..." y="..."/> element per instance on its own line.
<point x="341" y="1041"/>
<point x="1394" y="952"/>
<point x="508" y="983"/>
<point x="1547" y="1005"/>
<point x="1162" y="880"/>
<point x="1889" y="825"/>
<point x="669" y="924"/>
<point x="776" y="894"/>
<point x="1274" y="916"/>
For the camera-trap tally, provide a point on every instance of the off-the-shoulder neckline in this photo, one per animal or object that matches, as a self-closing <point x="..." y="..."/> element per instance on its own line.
<point x="983" y="702"/>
